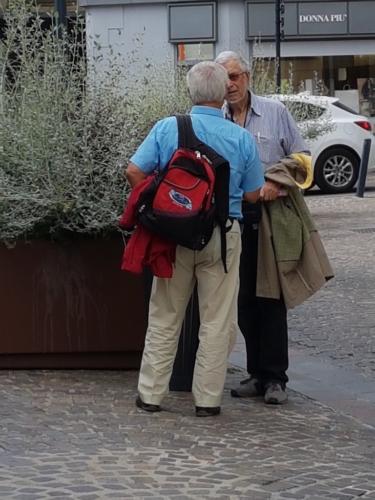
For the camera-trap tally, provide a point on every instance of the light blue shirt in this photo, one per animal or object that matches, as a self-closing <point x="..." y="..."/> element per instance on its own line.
<point x="232" y="142"/>
<point x="274" y="129"/>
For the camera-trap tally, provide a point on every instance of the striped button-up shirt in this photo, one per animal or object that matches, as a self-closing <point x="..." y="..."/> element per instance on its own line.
<point x="275" y="131"/>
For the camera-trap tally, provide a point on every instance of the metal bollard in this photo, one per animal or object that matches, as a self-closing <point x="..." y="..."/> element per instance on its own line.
<point x="363" y="168"/>
<point x="183" y="368"/>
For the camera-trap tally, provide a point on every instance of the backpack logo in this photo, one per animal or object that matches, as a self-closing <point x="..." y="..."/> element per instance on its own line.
<point x="180" y="199"/>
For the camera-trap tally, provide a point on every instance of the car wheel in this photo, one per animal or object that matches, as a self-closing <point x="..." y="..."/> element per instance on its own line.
<point x="336" y="170"/>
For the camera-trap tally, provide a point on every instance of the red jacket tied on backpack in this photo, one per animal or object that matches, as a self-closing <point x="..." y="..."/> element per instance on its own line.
<point x="144" y="247"/>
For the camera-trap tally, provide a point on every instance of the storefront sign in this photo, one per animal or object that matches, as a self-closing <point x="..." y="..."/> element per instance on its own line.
<point x="319" y="19"/>
<point x="322" y="18"/>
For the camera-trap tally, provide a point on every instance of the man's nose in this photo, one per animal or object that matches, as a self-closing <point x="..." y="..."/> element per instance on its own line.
<point x="230" y="85"/>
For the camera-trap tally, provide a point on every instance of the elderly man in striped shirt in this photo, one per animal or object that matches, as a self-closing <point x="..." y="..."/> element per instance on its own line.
<point x="262" y="321"/>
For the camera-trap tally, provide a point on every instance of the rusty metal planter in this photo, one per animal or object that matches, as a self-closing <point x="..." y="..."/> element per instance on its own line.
<point x="68" y="305"/>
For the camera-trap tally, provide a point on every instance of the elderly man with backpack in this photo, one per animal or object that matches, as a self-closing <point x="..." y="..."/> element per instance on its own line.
<point x="216" y="274"/>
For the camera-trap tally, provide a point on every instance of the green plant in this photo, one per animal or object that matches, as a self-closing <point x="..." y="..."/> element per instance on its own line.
<point x="66" y="128"/>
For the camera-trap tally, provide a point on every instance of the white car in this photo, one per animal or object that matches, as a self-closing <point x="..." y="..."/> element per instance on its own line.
<point x="335" y="135"/>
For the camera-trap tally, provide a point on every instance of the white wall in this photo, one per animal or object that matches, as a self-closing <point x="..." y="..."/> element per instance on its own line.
<point x="138" y="30"/>
<point x="231" y="27"/>
<point x="139" y="33"/>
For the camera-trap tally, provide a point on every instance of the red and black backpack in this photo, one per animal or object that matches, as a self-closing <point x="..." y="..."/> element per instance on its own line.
<point x="190" y="195"/>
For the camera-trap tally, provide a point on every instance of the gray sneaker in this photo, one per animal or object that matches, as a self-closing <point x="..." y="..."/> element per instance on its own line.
<point x="275" y="394"/>
<point x="248" y="388"/>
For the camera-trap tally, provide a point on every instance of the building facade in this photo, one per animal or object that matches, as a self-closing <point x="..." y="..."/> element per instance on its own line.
<point x="327" y="46"/>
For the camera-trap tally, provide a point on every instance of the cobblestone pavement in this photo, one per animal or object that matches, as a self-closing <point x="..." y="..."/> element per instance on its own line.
<point x="338" y="323"/>
<point x="77" y="435"/>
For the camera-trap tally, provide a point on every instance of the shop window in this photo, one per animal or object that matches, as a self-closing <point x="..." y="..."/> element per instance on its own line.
<point x="191" y="53"/>
<point x="350" y="78"/>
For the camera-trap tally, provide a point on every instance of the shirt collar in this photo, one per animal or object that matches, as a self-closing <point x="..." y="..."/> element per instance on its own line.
<point x="254" y="103"/>
<point x="206" y="110"/>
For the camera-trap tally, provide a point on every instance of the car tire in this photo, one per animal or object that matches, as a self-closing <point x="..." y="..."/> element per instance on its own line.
<point x="336" y="170"/>
<point x="311" y="186"/>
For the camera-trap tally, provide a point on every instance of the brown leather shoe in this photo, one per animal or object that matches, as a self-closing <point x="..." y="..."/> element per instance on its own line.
<point x="146" y="406"/>
<point x="210" y="411"/>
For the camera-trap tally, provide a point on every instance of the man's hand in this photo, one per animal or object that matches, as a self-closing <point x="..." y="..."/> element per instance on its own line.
<point x="251" y="196"/>
<point x="269" y="191"/>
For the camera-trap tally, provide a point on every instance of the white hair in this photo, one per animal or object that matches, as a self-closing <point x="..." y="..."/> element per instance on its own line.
<point x="207" y="82"/>
<point x="229" y="55"/>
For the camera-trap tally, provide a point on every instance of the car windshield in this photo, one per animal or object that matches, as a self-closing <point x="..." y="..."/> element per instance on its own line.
<point x="302" y="111"/>
<point x="340" y="105"/>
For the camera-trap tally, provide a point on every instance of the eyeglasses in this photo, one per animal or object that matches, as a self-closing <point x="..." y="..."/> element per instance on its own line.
<point x="234" y="77"/>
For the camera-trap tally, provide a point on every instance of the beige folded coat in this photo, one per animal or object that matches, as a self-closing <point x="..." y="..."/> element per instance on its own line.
<point x="292" y="261"/>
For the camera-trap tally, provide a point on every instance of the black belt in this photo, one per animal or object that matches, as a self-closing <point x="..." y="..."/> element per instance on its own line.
<point x="251" y="213"/>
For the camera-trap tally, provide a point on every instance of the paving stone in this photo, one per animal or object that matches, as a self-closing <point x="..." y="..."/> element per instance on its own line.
<point x="78" y="435"/>
<point x="89" y="497"/>
<point x="353" y="491"/>
<point x="343" y="333"/>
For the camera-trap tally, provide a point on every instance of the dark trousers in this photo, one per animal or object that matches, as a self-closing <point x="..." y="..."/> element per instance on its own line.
<point x="263" y="322"/>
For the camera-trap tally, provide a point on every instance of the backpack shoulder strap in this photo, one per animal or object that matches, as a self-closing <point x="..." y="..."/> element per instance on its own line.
<point x="186" y="135"/>
<point x="188" y="139"/>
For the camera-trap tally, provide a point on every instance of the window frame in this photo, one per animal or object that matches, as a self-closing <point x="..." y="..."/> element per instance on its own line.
<point x="177" y="40"/>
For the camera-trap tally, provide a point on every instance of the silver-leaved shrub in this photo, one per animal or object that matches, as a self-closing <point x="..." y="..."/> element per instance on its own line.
<point x="66" y="130"/>
<point x="67" y="126"/>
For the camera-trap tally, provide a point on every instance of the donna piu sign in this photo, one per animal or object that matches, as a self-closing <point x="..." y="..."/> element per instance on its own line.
<point x="352" y="19"/>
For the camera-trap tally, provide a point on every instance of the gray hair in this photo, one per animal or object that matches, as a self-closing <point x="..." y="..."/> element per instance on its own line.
<point x="229" y="55"/>
<point x="207" y="82"/>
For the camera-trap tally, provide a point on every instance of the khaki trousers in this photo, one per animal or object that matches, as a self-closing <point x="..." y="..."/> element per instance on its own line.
<point x="217" y="295"/>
